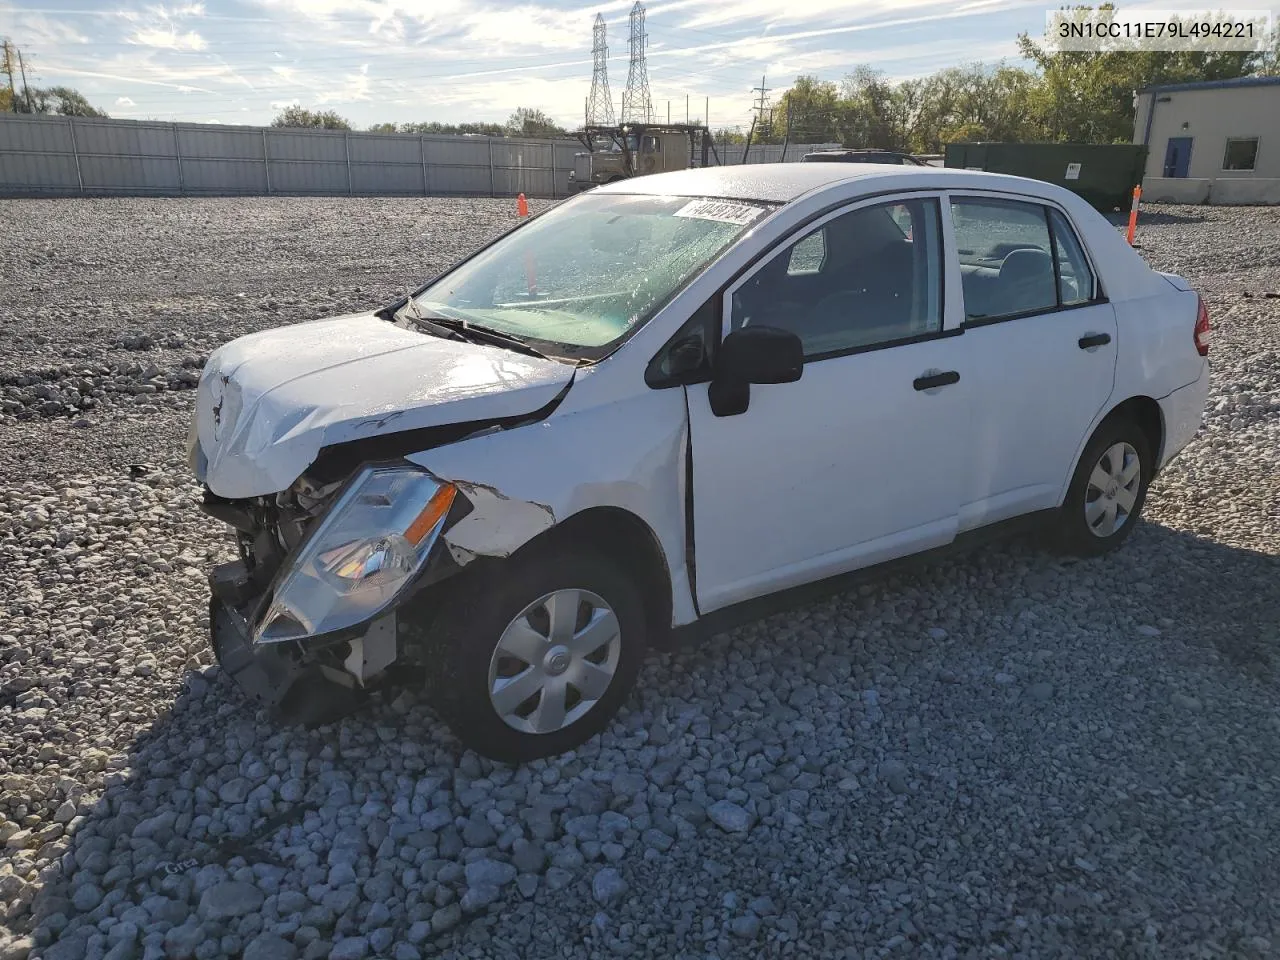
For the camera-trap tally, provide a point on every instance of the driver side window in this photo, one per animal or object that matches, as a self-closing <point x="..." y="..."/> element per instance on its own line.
<point x="866" y="278"/>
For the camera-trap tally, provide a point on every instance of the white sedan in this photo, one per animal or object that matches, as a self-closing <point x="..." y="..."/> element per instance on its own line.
<point x="662" y="399"/>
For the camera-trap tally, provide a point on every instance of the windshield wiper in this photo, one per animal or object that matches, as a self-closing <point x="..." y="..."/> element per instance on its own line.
<point x="466" y="330"/>
<point x="431" y="324"/>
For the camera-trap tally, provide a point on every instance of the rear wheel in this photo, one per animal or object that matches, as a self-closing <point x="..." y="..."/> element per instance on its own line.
<point x="536" y="658"/>
<point x="1107" y="490"/>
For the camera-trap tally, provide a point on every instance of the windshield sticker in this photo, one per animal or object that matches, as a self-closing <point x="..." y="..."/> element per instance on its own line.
<point x="724" y="211"/>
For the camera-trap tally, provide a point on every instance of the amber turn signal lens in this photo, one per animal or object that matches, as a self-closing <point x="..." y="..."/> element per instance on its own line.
<point x="431" y="514"/>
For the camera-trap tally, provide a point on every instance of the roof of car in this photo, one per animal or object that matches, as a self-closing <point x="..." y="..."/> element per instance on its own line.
<point x="784" y="182"/>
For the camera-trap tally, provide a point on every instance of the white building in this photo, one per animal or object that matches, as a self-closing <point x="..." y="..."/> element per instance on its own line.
<point x="1217" y="141"/>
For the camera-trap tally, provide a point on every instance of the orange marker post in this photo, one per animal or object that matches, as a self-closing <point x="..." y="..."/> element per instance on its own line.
<point x="1133" y="213"/>
<point x="530" y="269"/>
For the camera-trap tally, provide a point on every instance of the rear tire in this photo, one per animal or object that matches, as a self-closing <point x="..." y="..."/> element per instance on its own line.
<point x="536" y="656"/>
<point x="1107" y="490"/>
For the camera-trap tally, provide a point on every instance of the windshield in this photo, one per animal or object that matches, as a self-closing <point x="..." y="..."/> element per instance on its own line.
<point x="588" y="273"/>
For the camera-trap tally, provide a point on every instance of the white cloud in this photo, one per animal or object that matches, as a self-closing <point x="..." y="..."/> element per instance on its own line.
<point x="124" y="102"/>
<point x="355" y="87"/>
<point x="168" y="39"/>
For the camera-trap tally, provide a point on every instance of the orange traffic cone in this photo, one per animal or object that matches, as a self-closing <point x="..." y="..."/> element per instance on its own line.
<point x="522" y="206"/>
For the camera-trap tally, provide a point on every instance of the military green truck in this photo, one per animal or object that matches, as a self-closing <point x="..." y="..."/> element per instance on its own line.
<point x="636" y="149"/>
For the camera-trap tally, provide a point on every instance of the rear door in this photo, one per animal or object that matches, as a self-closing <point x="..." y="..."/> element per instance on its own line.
<point x="1041" y="338"/>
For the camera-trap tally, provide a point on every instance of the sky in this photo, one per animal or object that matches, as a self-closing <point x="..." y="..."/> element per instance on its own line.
<point x="241" y="61"/>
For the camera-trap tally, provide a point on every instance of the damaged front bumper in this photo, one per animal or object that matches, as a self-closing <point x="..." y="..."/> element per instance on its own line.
<point x="310" y="682"/>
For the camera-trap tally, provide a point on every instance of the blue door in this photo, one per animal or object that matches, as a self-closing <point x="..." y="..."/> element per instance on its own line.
<point x="1177" y="157"/>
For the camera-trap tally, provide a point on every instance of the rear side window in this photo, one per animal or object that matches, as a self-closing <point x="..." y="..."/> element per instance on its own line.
<point x="1018" y="258"/>
<point x="1075" y="278"/>
<point x="1006" y="257"/>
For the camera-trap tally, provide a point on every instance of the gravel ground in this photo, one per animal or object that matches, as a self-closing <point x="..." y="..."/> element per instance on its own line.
<point x="999" y="755"/>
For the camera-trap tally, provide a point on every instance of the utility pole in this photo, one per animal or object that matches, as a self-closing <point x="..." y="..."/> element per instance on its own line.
<point x="26" y="91"/>
<point x="8" y="68"/>
<point x="760" y="101"/>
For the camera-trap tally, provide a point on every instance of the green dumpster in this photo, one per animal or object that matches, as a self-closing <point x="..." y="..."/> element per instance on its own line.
<point x="1104" y="174"/>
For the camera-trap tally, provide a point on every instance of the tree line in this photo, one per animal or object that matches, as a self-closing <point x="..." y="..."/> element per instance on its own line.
<point x="523" y="122"/>
<point x="1066" y="96"/>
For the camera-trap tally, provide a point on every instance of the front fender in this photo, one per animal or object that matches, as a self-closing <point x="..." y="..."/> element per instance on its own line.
<point x="629" y="453"/>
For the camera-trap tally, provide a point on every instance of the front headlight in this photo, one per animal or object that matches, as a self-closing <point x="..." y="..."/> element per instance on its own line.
<point x="369" y="546"/>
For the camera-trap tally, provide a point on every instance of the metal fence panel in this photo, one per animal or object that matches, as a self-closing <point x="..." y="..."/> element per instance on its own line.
<point x="322" y="145"/>
<point x="38" y="173"/>
<point x="206" y="142"/>
<point x="40" y="155"/>
<point x="464" y="181"/>
<point x="123" y="138"/>
<point x="223" y="176"/>
<point x="386" y="178"/>
<point x="457" y="150"/>
<point x="129" y="174"/>
<point x="533" y="181"/>
<point x="18" y="133"/>
<point x="385" y="148"/>
<point x="296" y="176"/>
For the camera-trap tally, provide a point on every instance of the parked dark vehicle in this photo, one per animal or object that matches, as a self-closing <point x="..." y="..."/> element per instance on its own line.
<point x="861" y="156"/>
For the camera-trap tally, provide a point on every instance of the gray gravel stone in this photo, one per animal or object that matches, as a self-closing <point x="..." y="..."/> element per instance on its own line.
<point x="350" y="948"/>
<point x="230" y="899"/>
<point x="268" y="946"/>
<point x="607" y="885"/>
<point x="730" y="817"/>
<point x="1131" y="733"/>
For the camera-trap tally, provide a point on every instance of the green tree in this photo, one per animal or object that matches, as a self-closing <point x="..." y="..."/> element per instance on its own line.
<point x="296" y="116"/>
<point x="814" y="108"/>
<point x="531" y="122"/>
<point x="1088" y="95"/>
<point x="61" y="101"/>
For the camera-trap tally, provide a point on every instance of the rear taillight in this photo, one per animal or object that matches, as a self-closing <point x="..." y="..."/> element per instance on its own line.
<point x="1202" y="330"/>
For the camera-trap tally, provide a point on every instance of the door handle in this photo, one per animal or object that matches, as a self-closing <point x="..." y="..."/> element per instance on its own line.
<point x="936" y="380"/>
<point x="1094" y="340"/>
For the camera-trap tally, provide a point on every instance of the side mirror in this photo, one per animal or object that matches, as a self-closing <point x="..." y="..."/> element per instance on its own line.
<point x="753" y="355"/>
<point x="761" y="355"/>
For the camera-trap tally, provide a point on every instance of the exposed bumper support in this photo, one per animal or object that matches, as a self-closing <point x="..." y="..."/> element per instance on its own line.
<point x="299" y="683"/>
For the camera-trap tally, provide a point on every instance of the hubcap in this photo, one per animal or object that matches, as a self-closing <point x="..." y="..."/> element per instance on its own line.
<point x="554" y="661"/>
<point x="1113" y="489"/>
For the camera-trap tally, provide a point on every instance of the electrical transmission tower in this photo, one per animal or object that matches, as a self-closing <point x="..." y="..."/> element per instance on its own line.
<point x="637" y="104"/>
<point x="600" y="104"/>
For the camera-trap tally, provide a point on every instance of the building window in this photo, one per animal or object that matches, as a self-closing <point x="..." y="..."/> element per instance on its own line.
<point x="1241" y="154"/>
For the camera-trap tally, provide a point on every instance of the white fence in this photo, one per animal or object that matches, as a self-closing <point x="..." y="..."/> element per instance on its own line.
<point x="58" y="156"/>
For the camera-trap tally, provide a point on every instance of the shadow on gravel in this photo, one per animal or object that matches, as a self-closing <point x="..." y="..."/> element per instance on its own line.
<point x="222" y="829"/>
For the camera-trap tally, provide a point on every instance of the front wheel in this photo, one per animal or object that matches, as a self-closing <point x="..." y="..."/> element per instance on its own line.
<point x="536" y="657"/>
<point x="1107" y="490"/>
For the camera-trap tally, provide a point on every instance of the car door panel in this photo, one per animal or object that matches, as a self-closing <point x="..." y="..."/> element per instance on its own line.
<point x="846" y="467"/>
<point x="1040" y="379"/>
<point x="850" y="465"/>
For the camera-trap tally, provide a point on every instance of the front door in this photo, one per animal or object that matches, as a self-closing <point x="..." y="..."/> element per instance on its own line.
<point x="1041" y="342"/>
<point x="1177" y="157"/>
<point x="857" y="461"/>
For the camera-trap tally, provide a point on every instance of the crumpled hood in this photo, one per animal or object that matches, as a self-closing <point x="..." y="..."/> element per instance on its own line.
<point x="268" y="402"/>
